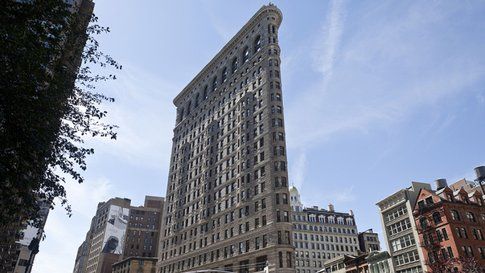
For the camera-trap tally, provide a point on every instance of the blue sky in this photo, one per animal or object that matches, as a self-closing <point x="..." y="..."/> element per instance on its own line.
<point x="376" y="94"/>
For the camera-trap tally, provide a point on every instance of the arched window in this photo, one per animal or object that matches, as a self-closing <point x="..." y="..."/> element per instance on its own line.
<point x="214" y="84"/>
<point x="245" y="54"/>
<point x="436" y="217"/>
<point x="470" y="216"/>
<point x="271" y="29"/>
<point x="257" y="44"/>
<point x="234" y="65"/>
<point x="224" y="74"/>
<point x="455" y="215"/>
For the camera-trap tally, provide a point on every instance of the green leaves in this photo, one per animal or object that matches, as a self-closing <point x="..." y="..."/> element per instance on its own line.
<point x="48" y="103"/>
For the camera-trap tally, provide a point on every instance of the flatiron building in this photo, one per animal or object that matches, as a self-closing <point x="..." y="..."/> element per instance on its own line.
<point x="227" y="202"/>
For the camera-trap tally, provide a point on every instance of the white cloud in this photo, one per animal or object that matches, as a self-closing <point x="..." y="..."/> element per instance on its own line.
<point x="338" y="196"/>
<point x="328" y="45"/>
<point x="144" y="124"/>
<point x="377" y="75"/>
<point x="64" y="234"/>
<point x="143" y="120"/>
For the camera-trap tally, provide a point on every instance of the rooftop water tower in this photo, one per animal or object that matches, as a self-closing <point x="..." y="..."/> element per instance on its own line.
<point x="480" y="173"/>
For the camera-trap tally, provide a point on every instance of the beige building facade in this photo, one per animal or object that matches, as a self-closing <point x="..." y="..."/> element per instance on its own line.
<point x="320" y="234"/>
<point x="227" y="202"/>
<point x="399" y="229"/>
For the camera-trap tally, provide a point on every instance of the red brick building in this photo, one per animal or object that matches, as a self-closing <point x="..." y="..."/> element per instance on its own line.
<point x="451" y="228"/>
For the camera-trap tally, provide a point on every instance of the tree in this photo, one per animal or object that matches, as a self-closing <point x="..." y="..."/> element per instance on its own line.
<point x="48" y="102"/>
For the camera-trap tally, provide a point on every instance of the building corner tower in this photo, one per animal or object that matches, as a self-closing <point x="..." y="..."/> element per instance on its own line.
<point x="227" y="202"/>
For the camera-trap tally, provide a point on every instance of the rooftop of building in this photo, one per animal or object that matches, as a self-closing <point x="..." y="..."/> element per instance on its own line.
<point x="229" y="45"/>
<point x="316" y="209"/>
<point x="369" y="231"/>
<point x="415" y="187"/>
<point x="445" y="195"/>
<point x="138" y="258"/>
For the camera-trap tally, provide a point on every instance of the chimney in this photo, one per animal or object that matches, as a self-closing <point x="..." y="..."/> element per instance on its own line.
<point x="441" y="183"/>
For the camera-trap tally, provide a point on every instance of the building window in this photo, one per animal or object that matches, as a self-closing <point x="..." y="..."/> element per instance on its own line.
<point x="481" y="250"/>
<point x="234" y="65"/>
<point x="257" y="44"/>
<point x="288" y="260"/>
<point x="436" y="217"/>
<point x="471" y="217"/>
<point x="224" y="74"/>
<point x="455" y="215"/>
<point x="477" y="234"/>
<point x="214" y="84"/>
<point x="423" y="222"/>
<point x="245" y="55"/>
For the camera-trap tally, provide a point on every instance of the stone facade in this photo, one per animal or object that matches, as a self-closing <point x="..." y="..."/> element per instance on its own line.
<point x="399" y="229"/>
<point x="227" y="202"/>
<point x="320" y="235"/>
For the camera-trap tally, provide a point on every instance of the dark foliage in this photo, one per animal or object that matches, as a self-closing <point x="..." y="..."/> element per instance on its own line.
<point x="48" y="102"/>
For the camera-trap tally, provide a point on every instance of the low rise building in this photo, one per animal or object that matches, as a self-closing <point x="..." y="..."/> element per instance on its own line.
<point x="335" y="265"/>
<point x="346" y="264"/>
<point x="320" y="234"/>
<point x="400" y="225"/>
<point x="451" y="225"/>
<point x="136" y="264"/>
<point x="399" y="229"/>
<point x="380" y="262"/>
